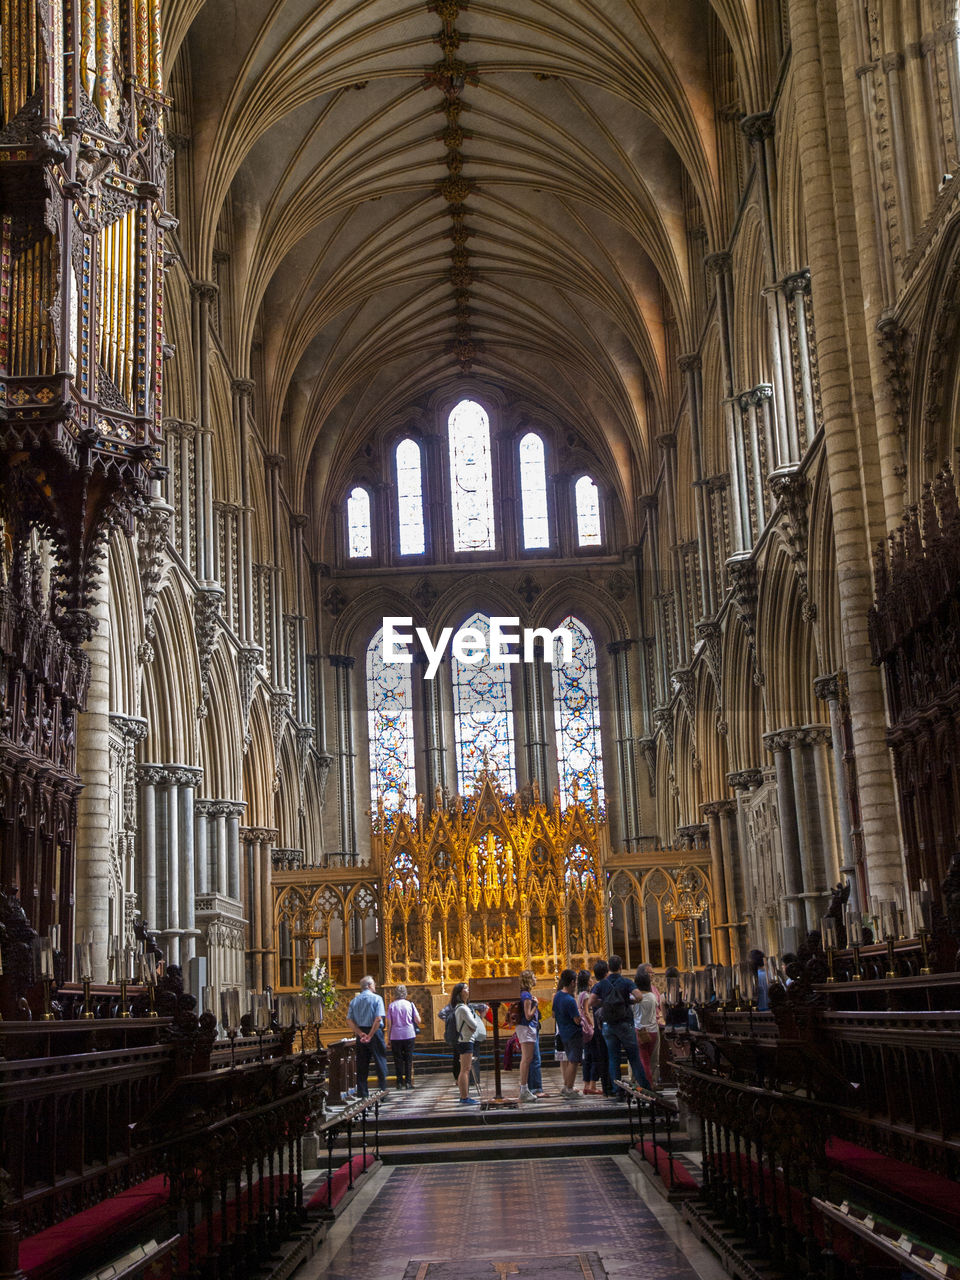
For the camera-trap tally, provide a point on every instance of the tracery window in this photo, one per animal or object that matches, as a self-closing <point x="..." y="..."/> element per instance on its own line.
<point x="359" y="533"/>
<point x="576" y="703"/>
<point x="533" y="493"/>
<point x="483" y="714"/>
<point x="390" y="722"/>
<point x="588" y="513"/>
<point x="410" y="498"/>
<point x="471" y="478"/>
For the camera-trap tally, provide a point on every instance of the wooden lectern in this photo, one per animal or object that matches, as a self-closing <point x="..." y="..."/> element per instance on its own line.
<point x="495" y="992"/>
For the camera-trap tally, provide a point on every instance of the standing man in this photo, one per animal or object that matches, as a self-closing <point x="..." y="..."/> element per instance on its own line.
<point x="655" y="1047"/>
<point x="365" y="1015"/>
<point x="614" y="996"/>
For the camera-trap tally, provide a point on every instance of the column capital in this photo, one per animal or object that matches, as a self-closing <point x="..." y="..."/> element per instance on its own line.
<point x="205" y="290"/>
<point x="745" y="779"/>
<point x="342" y="661"/>
<point x="619" y="646"/>
<point x="717" y="808"/>
<point x="667" y="440"/>
<point x="259" y="835"/>
<point x="796" y="281"/>
<point x="152" y="775"/>
<point x="718" y="263"/>
<point x="816" y="735"/>
<point x="759" y="126"/>
<point x="133" y="728"/>
<point x="689" y="362"/>
<point x="781" y="740"/>
<point x="829" y="688"/>
<point x="273" y="461"/>
<point x="242" y="387"/>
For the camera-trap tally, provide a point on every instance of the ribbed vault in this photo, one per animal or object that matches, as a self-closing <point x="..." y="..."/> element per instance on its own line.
<point x="410" y="191"/>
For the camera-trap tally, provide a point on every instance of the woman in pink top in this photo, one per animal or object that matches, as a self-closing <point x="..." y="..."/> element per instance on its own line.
<point x="403" y="1021"/>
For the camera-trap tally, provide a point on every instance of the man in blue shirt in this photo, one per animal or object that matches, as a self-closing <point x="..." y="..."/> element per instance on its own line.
<point x="365" y="1015"/>
<point x="615" y="997"/>
<point x="569" y="1030"/>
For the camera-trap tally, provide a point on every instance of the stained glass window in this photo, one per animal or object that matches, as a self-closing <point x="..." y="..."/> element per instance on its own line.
<point x="483" y="714"/>
<point x="390" y="721"/>
<point x="410" y="498"/>
<point x="533" y="493"/>
<point x="588" y="513"/>
<point x="471" y="478"/>
<point x="359" y="537"/>
<point x="577" y="710"/>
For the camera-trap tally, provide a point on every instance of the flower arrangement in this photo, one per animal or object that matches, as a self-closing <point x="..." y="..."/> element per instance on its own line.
<point x="317" y="982"/>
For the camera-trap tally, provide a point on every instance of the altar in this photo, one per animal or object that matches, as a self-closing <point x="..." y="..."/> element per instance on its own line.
<point x="489" y="886"/>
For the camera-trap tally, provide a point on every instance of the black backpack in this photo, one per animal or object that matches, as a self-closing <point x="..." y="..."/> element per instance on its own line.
<point x="450" y="1029"/>
<point x="616" y="1006"/>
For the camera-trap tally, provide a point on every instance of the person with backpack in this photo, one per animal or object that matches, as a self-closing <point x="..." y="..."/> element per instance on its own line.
<point x="614" y="997"/>
<point x="570" y="1030"/>
<point x="470" y="1029"/>
<point x="527" y="1015"/>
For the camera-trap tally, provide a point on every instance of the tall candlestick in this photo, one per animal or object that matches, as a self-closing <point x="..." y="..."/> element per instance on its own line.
<point x="443" y="981"/>
<point x="553" y="931"/>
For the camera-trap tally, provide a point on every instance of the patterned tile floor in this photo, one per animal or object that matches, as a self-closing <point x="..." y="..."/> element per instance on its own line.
<point x="437" y="1092"/>
<point x="504" y="1213"/>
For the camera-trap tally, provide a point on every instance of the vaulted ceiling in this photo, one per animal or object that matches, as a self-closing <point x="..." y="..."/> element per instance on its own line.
<point x="412" y="193"/>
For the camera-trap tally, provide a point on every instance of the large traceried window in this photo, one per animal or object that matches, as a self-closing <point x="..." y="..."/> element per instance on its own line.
<point x="588" y="513"/>
<point x="390" y="722"/>
<point x="483" y="714"/>
<point x="577" y="710"/>
<point x="359" y="533"/>
<point x="471" y="478"/>
<point x="533" y="493"/>
<point x="410" y="498"/>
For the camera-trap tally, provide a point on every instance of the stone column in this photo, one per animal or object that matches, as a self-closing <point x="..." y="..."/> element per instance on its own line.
<point x="168" y="868"/>
<point x="690" y="367"/>
<point x="433" y="723"/>
<point x="149" y="777"/>
<point x="186" y="781"/>
<point x="242" y="390"/>
<point x="221" y="811"/>
<point x="720" y="925"/>
<point x="533" y="676"/>
<point x="93" y="875"/>
<point x="202" y="810"/>
<point x="796" y="288"/>
<point x="619" y="651"/>
<point x="204" y="294"/>
<point x="346" y="757"/>
<point x="778" y="744"/>
<point x="742" y="783"/>
<point x="233" y="850"/>
<point x="730" y="846"/>
<point x="720" y="266"/>
<point x="858" y="450"/>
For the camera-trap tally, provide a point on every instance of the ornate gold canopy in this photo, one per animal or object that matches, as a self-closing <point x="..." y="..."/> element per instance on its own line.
<point x="488" y="886"/>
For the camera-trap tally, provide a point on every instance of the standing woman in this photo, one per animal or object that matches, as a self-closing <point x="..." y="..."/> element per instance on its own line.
<point x="469" y="1028"/>
<point x="591" y="1069"/>
<point x="528" y="1032"/>
<point x="403" y="1022"/>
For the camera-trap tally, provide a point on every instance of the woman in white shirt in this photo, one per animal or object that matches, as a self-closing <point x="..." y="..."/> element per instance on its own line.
<point x="645" y="1023"/>
<point x="403" y="1020"/>
<point x="469" y="1030"/>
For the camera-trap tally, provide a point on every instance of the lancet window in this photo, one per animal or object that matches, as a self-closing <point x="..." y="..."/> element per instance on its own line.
<point x="390" y="719"/>
<point x="587" y="497"/>
<point x="576" y="702"/>
<point x="359" y="531"/>
<point x="471" y="478"/>
<point x="410" y="499"/>
<point x="533" y="493"/>
<point x="483" y="714"/>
